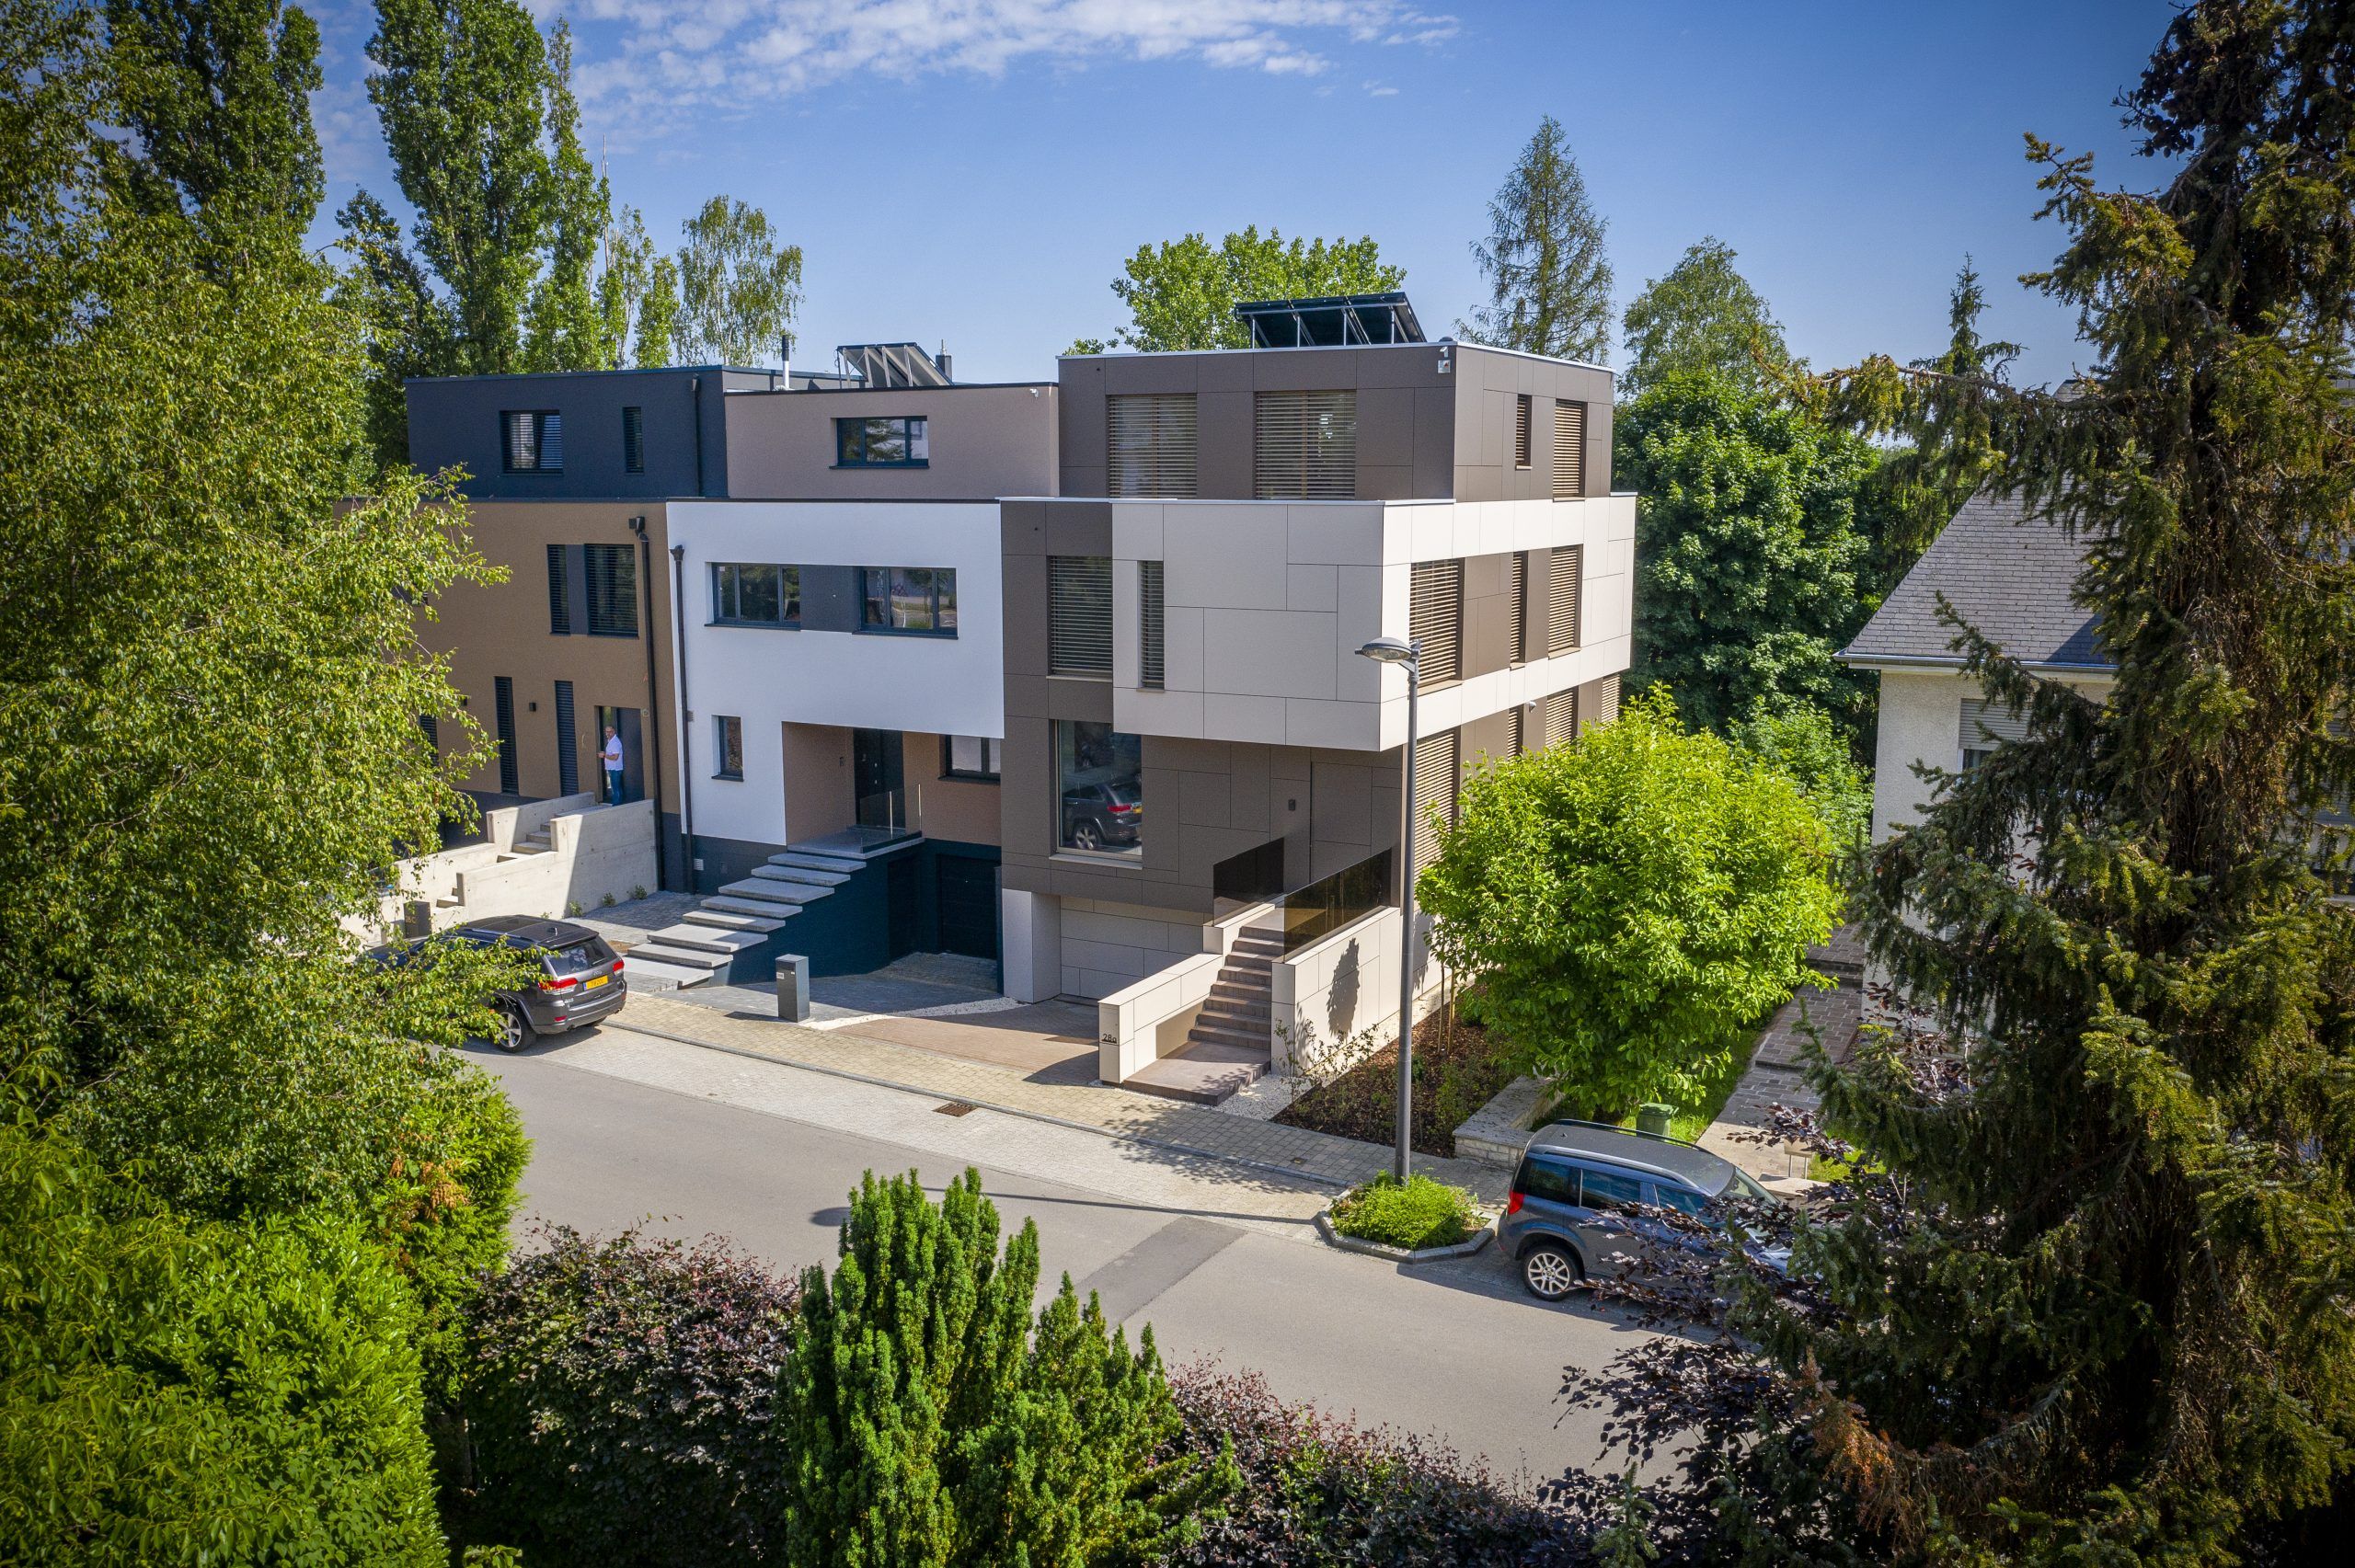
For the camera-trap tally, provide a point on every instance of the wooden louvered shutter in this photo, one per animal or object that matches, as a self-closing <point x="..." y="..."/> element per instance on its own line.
<point x="1568" y="567"/>
<point x="1305" y="446"/>
<point x="1435" y="620"/>
<point x="1436" y="784"/>
<point x="1150" y="443"/>
<point x="1986" y="725"/>
<point x="1079" y="616"/>
<point x="1570" y="450"/>
<point x="1150" y="625"/>
<point x="1517" y="594"/>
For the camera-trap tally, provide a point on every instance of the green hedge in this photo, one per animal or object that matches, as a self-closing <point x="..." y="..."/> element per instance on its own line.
<point x="1423" y="1213"/>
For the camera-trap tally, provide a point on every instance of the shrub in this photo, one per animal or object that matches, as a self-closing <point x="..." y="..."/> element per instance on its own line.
<point x="620" y="1404"/>
<point x="450" y="1194"/>
<point x="1423" y="1213"/>
<point x="930" y="1419"/>
<point x="1317" y="1490"/>
<point x="1459" y="1067"/>
<point x="181" y="1391"/>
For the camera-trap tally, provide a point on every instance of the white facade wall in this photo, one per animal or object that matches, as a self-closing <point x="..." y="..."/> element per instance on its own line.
<point x="1921" y="721"/>
<point x="1267" y="603"/>
<point x="1108" y="946"/>
<point x="770" y="678"/>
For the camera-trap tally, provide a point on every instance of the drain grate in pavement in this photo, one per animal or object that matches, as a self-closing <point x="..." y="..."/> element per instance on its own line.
<point x="954" y="1108"/>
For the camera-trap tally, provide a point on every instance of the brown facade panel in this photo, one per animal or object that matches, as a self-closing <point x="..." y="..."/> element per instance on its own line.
<point x="818" y="790"/>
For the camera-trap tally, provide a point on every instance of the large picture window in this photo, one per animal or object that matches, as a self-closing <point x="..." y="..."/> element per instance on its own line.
<point x="916" y="601"/>
<point x="898" y="441"/>
<point x="613" y="589"/>
<point x="750" y="594"/>
<point x="1099" y="787"/>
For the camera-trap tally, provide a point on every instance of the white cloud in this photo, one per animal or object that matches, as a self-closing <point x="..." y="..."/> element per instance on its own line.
<point x="677" y="56"/>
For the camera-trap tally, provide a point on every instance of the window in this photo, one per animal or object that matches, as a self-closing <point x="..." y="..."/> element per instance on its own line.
<point x="567" y="742"/>
<point x="743" y="594"/>
<point x="898" y="441"/>
<point x="633" y="441"/>
<point x="1306" y="446"/>
<point x="1549" y="1179"/>
<point x="727" y="746"/>
<point x="1435" y="792"/>
<point x="1435" y="620"/>
<point x="535" y="440"/>
<point x="970" y="757"/>
<point x="1567" y="568"/>
<point x="1150" y="443"/>
<point x="502" y="702"/>
<point x="1518" y="590"/>
<point x="1607" y="1191"/>
<point x="1550" y="721"/>
<point x="1151" y="639"/>
<point x="432" y="728"/>
<point x="911" y="598"/>
<point x="1570" y="450"/>
<point x="559" y="593"/>
<point x="1099" y="787"/>
<point x="1079" y="616"/>
<point x="1521" y="431"/>
<point x="613" y="589"/>
<point x="1986" y="725"/>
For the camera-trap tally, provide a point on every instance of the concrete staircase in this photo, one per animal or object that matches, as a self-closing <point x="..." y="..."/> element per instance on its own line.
<point x="741" y="916"/>
<point x="1228" y="1046"/>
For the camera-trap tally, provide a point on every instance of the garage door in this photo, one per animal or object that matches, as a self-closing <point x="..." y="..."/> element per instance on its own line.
<point x="969" y="906"/>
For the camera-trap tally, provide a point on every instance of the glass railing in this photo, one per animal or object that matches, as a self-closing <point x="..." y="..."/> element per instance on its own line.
<point x="1331" y="902"/>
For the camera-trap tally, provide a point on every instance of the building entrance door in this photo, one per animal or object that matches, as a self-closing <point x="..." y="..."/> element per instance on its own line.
<point x="626" y="723"/>
<point x="879" y="780"/>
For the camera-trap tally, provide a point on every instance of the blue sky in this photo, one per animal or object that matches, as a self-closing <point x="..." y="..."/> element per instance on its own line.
<point x="976" y="171"/>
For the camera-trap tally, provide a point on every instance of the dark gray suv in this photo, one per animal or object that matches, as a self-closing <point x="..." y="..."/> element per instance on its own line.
<point x="1575" y="1209"/>
<point x="579" y="981"/>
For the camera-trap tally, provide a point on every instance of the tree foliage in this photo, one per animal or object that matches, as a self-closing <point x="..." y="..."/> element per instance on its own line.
<point x="1181" y="294"/>
<point x="1549" y="285"/>
<point x="565" y="328"/>
<point x="218" y="96"/>
<point x="1701" y="319"/>
<point x="1631" y="904"/>
<point x="177" y="1393"/>
<point x="738" y="287"/>
<point x="638" y="293"/>
<point x="1748" y="556"/>
<point x="1811" y="748"/>
<point x="930" y="1419"/>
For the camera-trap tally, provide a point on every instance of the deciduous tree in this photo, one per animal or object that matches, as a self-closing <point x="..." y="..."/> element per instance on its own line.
<point x="565" y="329"/>
<point x="738" y="287"/>
<point x="1702" y="317"/>
<point x="637" y="291"/>
<point x="1182" y="294"/>
<point x="1549" y="285"/>
<point x="218" y="97"/>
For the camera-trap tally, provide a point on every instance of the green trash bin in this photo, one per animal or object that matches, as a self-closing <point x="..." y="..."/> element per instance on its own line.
<point x="1652" y="1119"/>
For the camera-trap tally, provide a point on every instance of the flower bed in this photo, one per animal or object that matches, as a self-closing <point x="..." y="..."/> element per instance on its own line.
<point x="1423" y="1213"/>
<point x="1458" y="1068"/>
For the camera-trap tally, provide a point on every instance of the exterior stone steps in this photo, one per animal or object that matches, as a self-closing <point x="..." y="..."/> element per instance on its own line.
<point x="706" y="939"/>
<point x="679" y="957"/>
<point x="767" y="909"/>
<point x="799" y="874"/>
<point x="819" y="860"/>
<point x="722" y="920"/>
<point x="773" y="891"/>
<point x="652" y="976"/>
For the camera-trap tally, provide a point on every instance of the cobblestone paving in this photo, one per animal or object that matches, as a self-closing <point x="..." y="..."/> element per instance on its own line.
<point x="1776" y="1070"/>
<point x="1115" y="1112"/>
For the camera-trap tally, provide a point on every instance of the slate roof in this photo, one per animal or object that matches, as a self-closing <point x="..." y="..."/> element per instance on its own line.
<point x="2006" y="575"/>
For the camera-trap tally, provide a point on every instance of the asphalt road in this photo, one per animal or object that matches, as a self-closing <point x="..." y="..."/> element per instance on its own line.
<point x="628" y="1131"/>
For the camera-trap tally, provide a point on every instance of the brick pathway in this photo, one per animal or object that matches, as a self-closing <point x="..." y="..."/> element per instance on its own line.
<point x="1776" y="1076"/>
<point x="1114" y="1113"/>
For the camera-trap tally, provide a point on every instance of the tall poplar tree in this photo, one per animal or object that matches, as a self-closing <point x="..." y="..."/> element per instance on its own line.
<point x="1549" y="286"/>
<point x="218" y="97"/>
<point x="638" y="293"/>
<point x="568" y="331"/>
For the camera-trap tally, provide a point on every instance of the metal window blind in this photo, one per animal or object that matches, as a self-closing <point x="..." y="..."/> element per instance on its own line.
<point x="1521" y="431"/>
<point x="551" y="442"/>
<point x="1306" y="447"/>
<point x="1518" y="595"/>
<point x="1079" y="616"/>
<point x="502" y="688"/>
<point x="1435" y="790"/>
<point x="1150" y="443"/>
<point x="1986" y="725"/>
<point x="432" y="728"/>
<point x="559" y="592"/>
<point x="613" y="589"/>
<point x="568" y="743"/>
<point x="1557" y="718"/>
<point x="1567" y="568"/>
<point x="633" y="441"/>
<point x="1570" y="450"/>
<point x="1151" y="637"/>
<point x="1435" y="619"/>
<point x="1601" y="704"/>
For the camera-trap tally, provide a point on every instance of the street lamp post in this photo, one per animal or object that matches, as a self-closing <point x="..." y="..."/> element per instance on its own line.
<point x="1408" y="655"/>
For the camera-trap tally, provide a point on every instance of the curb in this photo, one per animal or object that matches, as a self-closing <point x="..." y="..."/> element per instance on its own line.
<point x="1295" y="1173"/>
<point x="1480" y="1238"/>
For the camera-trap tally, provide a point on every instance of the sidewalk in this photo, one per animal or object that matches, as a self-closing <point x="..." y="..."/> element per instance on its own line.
<point x="1112" y="1113"/>
<point x="1777" y="1069"/>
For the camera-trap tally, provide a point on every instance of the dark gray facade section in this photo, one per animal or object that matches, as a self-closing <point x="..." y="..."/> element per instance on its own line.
<point x="454" y="422"/>
<point x="1435" y="421"/>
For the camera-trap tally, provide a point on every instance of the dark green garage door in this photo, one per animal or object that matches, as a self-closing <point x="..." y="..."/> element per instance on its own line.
<point x="969" y="906"/>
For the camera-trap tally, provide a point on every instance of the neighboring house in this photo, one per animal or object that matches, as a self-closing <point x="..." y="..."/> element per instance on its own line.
<point x="2009" y="576"/>
<point x="1200" y="776"/>
<point x="837" y="736"/>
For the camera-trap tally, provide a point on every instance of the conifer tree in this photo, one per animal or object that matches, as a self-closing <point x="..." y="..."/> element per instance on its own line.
<point x="930" y="1423"/>
<point x="1549" y="286"/>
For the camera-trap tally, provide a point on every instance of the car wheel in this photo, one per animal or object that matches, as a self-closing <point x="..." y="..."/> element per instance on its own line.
<point x="514" y="1032"/>
<point x="1550" y="1272"/>
<point x="1083" y="835"/>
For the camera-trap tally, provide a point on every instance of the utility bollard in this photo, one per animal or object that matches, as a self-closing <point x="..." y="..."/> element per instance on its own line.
<point x="793" y="988"/>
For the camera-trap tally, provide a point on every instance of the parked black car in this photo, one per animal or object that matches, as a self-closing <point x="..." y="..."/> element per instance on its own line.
<point x="581" y="975"/>
<point x="1099" y="813"/>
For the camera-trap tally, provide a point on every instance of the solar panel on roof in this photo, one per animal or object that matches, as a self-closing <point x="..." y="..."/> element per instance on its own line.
<point x="1331" y="322"/>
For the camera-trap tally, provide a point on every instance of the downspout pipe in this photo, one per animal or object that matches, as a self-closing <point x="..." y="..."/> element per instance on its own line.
<point x="653" y="698"/>
<point x="686" y="713"/>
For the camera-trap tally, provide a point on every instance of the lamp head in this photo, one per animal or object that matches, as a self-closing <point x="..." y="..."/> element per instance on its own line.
<point x="1390" y="651"/>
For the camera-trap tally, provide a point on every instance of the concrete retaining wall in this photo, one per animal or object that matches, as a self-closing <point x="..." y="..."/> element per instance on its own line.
<point x="596" y="854"/>
<point x="1342" y="985"/>
<point x="1148" y="1019"/>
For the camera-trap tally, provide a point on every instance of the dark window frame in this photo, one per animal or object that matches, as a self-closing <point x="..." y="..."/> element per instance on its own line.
<point x="1153" y="627"/>
<point x="539" y="418"/>
<point x="720" y="727"/>
<point x="1523" y="414"/>
<point x="633" y="440"/>
<point x="941" y="576"/>
<point x="788" y="596"/>
<point x="620" y="553"/>
<point x="913" y="427"/>
<point x="950" y="769"/>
